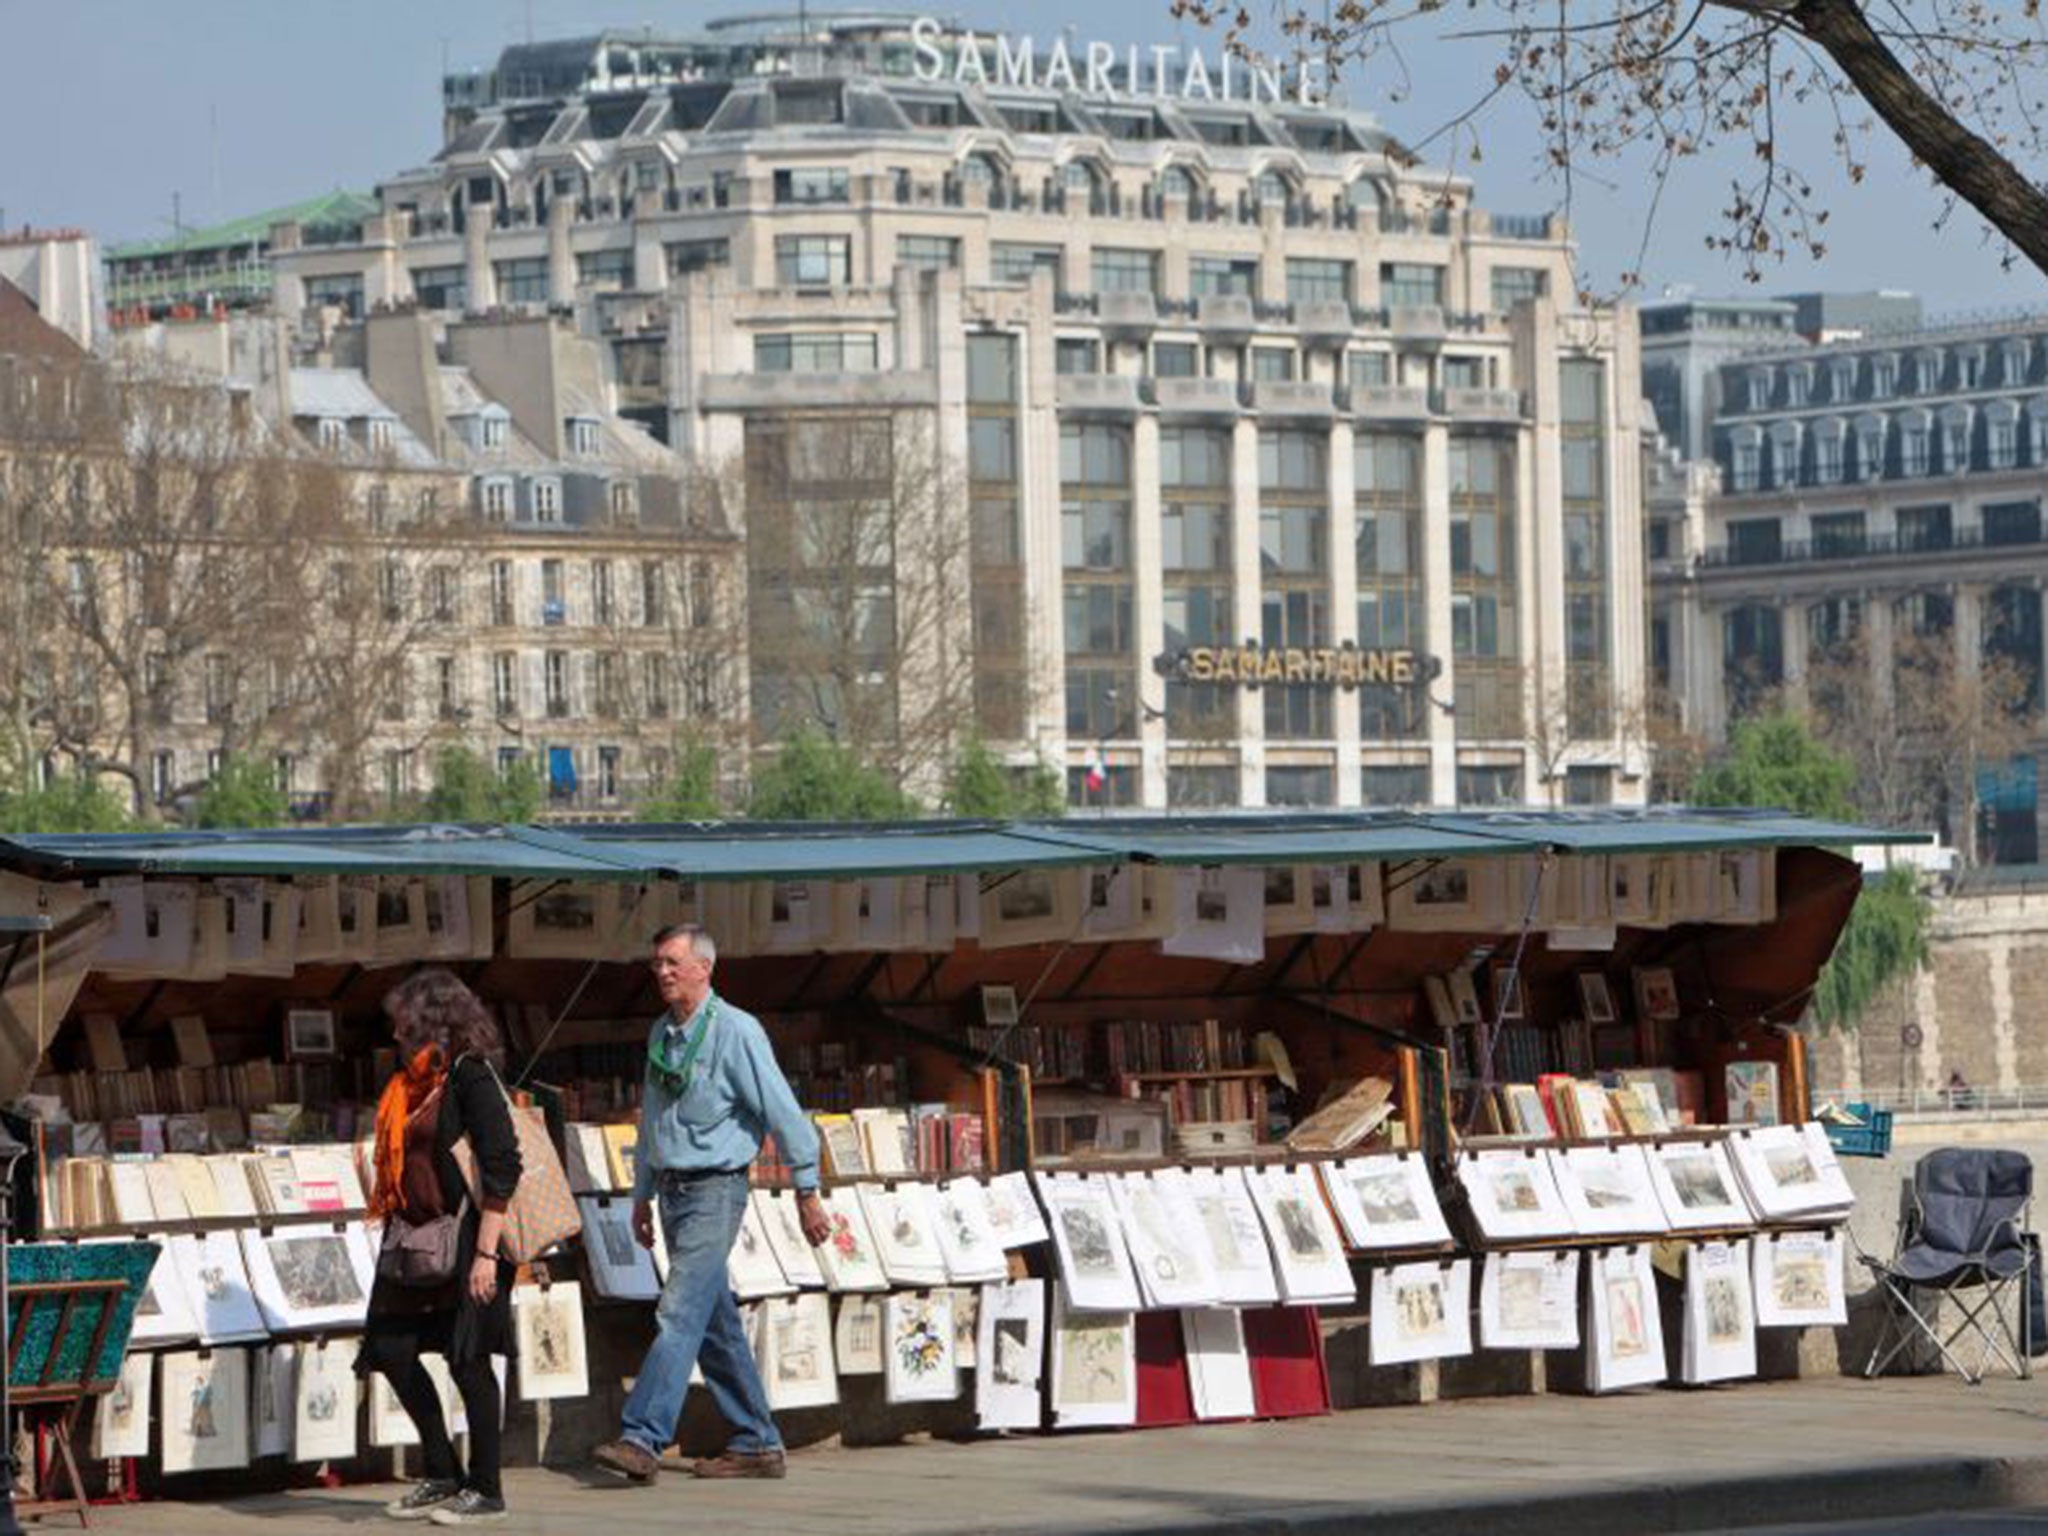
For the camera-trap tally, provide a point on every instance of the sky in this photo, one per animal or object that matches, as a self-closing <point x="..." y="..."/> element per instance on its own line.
<point x="115" y="113"/>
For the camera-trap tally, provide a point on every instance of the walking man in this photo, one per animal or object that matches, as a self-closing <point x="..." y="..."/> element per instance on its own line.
<point x="712" y="1090"/>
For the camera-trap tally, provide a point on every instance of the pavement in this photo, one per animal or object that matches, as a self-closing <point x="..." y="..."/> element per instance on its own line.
<point x="1780" y="1454"/>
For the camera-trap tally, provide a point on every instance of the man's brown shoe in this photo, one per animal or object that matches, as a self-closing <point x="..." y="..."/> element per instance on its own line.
<point x="633" y="1462"/>
<point x="742" y="1464"/>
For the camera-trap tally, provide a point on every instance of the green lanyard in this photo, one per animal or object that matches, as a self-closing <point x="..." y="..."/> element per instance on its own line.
<point x="674" y="1077"/>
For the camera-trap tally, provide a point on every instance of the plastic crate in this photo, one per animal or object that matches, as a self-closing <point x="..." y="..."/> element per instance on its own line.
<point x="1873" y="1138"/>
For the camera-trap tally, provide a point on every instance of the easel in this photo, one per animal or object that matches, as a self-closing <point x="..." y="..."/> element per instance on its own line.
<point x="52" y="1405"/>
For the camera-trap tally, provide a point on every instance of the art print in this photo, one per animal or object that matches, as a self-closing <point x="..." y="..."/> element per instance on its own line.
<point x="121" y="1417"/>
<point x="1094" y="1368"/>
<point x="784" y="1226"/>
<point x="1219" y="1367"/>
<point x="1595" y="999"/>
<point x="905" y="1239"/>
<point x="1698" y="1180"/>
<point x="848" y="1257"/>
<point x="1304" y="1241"/>
<point x="548" y="1325"/>
<point x="1421" y="1312"/>
<point x="1720" y="1328"/>
<point x="1626" y="1334"/>
<point x="1608" y="1190"/>
<point x="308" y="1277"/>
<point x="619" y="1267"/>
<point x="920" y="1362"/>
<point x="1228" y="1221"/>
<point x="217" y="1282"/>
<point x="1656" y="992"/>
<point x="326" y="1394"/>
<point x="1088" y="1236"/>
<point x="1790" y="1171"/>
<point x="1162" y="1231"/>
<point x="857" y="1336"/>
<point x="274" y="1395"/>
<point x="309" y="1034"/>
<point x="1513" y="1195"/>
<point x="751" y="1265"/>
<point x="967" y="1237"/>
<point x="798" y="1343"/>
<point x="205" y="1410"/>
<point x="1696" y="1185"/>
<point x="1630" y="1339"/>
<point x="1529" y="1300"/>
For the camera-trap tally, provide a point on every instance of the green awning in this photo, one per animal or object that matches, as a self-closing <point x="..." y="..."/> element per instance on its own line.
<point x="783" y="851"/>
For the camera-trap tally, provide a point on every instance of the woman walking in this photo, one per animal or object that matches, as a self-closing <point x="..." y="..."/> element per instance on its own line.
<point x="441" y="1287"/>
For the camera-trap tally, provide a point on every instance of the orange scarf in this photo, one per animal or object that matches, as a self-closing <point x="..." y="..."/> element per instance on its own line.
<point x="407" y="1095"/>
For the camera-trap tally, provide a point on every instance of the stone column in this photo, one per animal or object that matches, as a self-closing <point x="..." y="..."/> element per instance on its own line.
<point x="561" y="259"/>
<point x="479" y="277"/>
<point x="1343" y="560"/>
<point x="1442" y="729"/>
<point x="1147" y="609"/>
<point x="1038" y="495"/>
<point x="1244" y="601"/>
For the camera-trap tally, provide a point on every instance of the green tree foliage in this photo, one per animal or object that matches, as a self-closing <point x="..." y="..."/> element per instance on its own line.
<point x="67" y="805"/>
<point x="982" y="785"/>
<point x="814" y="778"/>
<point x="244" y="793"/>
<point x="1775" y="761"/>
<point x="691" y="794"/>
<point x="466" y="788"/>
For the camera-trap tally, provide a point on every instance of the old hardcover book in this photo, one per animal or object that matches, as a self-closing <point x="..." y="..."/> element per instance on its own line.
<point x="1346" y="1119"/>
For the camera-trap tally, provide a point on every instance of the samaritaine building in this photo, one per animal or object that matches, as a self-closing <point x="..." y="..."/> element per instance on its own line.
<point x="1128" y="406"/>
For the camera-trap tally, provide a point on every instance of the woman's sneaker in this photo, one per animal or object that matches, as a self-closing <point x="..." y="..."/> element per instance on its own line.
<point x="469" y="1508"/>
<point x="423" y="1500"/>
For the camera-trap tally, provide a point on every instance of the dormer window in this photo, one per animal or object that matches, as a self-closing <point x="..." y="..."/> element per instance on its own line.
<point x="582" y="437"/>
<point x="333" y="433"/>
<point x="493" y="431"/>
<point x="377" y="434"/>
<point x="497" y="500"/>
<point x="547" y="501"/>
<point x="625" y="507"/>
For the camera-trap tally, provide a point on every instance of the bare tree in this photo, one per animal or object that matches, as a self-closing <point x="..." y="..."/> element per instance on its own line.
<point x="1653" y="83"/>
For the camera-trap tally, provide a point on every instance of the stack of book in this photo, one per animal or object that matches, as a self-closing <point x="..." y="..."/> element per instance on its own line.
<point x="139" y="1193"/>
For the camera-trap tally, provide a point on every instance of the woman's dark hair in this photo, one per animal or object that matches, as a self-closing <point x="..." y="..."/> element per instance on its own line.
<point x="433" y="1006"/>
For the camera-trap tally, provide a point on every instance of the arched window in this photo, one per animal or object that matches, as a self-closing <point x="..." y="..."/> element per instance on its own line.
<point x="1365" y="193"/>
<point x="1272" y="187"/>
<point x="1079" y="176"/>
<point x="979" y="170"/>
<point x="1178" y="181"/>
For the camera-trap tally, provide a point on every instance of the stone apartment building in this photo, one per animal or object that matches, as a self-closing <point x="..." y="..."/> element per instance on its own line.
<point x="1160" y="378"/>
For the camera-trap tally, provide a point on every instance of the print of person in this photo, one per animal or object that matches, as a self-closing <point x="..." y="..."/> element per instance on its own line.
<point x="202" y="1426"/>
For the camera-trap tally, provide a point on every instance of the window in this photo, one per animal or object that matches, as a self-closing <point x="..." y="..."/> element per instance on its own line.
<point x="608" y="773"/>
<point x="1464" y="373"/>
<point x="813" y="261"/>
<point x="509" y="759"/>
<point x="219" y="688"/>
<point x="1294" y="479"/>
<point x="445" y="288"/>
<point x="1388" y="553"/>
<point x="928" y="253"/>
<point x="607" y="269"/>
<point x="497" y="496"/>
<point x="811" y="184"/>
<point x="654" y="685"/>
<point x="1273" y="365"/>
<point x="697" y="255"/>
<point x="1588" y="785"/>
<point x="1294" y="785"/>
<point x="1318" y="281"/>
<point x="2002" y="441"/>
<point x="1489" y="784"/>
<point x="625" y="502"/>
<point x="343" y="292"/>
<point x="1271" y="189"/>
<point x="441" y="590"/>
<point x="607" y="676"/>
<point x="1394" y="784"/>
<point x="653" y="594"/>
<point x="1407" y="284"/>
<point x="602" y="592"/>
<point x="1212" y="275"/>
<point x="1176" y="359"/>
<point x="1484" y="593"/>
<point x="1075" y="354"/>
<point x="1365" y="370"/>
<point x="493" y="430"/>
<point x="1179" y="181"/>
<point x="1015" y="263"/>
<point x="1511" y="285"/>
<point x="1201" y="785"/>
<point x="2012" y="522"/>
<point x="816" y="352"/>
<point x="1837" y="534"/>
<point x="522" y="280"/>
<point x="554" y="608"/>
<point x="501" y="593"/>
<point x="1097" y="592"/>
<point x="163" y="776"/>
<point x="1925" y="528"/>
<point x="447" y="688"/>
<point x="1752" y="655"/>
<point x="547" y="501"/>
<point x="1754" y="541"/>
<point x="555" y="683"/>
<point x="1126" y="271"/>
<point x="583" y="436"/>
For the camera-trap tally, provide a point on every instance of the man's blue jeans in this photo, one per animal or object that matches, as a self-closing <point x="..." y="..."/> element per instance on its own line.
<point x="698" y="1323"/>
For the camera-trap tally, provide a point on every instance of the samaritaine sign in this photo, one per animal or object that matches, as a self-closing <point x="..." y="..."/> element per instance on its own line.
<point x="1339" y="666"/>
<point x="1103" y="69"/>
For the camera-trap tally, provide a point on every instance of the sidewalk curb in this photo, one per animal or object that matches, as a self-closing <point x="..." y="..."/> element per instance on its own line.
<point x="1887" y="1490"/>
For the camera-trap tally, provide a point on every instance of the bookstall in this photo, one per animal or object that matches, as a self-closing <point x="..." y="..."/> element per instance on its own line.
<point x="1110" y="1108"/>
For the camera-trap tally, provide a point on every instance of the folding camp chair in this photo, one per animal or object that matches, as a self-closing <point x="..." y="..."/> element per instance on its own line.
<point x="1963" y="1236"/>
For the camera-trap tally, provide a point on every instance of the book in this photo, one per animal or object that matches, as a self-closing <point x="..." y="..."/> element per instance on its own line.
<point x="622" y="1147"/>
<point x="1346" y="1118"/>
<point x="128" y="1195"/>
<point x="275" y="1185"/>
<point x="165" y="1192"/>
<point x="886" y="1140"/>
<point x="840" y="1141"/>
<point x="195" y="1183"/>
<point x="234" y="1195"/>
<point x="194" y="1045"/>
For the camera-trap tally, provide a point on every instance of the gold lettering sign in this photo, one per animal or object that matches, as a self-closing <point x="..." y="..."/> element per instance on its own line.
<point x="1327" y="666"/>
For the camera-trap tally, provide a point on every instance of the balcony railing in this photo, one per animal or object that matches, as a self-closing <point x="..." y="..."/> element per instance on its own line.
<point x="1867" y="546"/>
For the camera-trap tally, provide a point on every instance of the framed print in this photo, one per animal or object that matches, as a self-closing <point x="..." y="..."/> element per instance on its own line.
<point x="1751" y="1088"/>
<point x="1308" y="1252"/>
<point x="857" y="1336"/>
<point x="1421" y="1311"/>
<point x="920" y="1363"/>
<point x="1529" y="1300"/>
<point x="1594" y="998"/>
<point x="798" y="1341"/>
<point x="1385" y="1202"/>
<point x="1290" y="899"/>
<point x="1164" y="1236"/>
<point x="786" y="1240"/>
<point x="213" y="1275"/>
<point x="1625" y="1332"/>
<point x="1797" y="1280"/>
<point x="120" y="1423"/>
<point x="1513" y="1195"/>
<point x="619" y="1267"/>
<point x="307" y="1277"/>
<point x="1010" y="1353"/>
<point x="999" y="1007"/>
<point x="1464" y="996"/>
<point x="906" y="1240"/>
<point x="309" y="1034"/>
<point x="547" y="1323"/>
<point x="1608" y="1190"/>
<point x="1088" y="1237"/>
<point x="848" y="1258"/>
<point x="1013" y="1214"/>
<point x="1656" y="992"/>
<point x="751" y="1267"/>
<point x="1219" y="914"/>
<point x="205" y="1410"/>
<point x="1720" y="1314"/>
<point x="1442" y="1011"/>
<point x="401" y="918"/>
<point x="1094" y="1367"/>
<point x="548" y="920"/>
<point x="1228" y="1220"/>
<point x="1696" y="1185"/>
<point x="326" y="1396"/>
<point x="1030" y="906"/>
<point x="967" y="1238"/>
